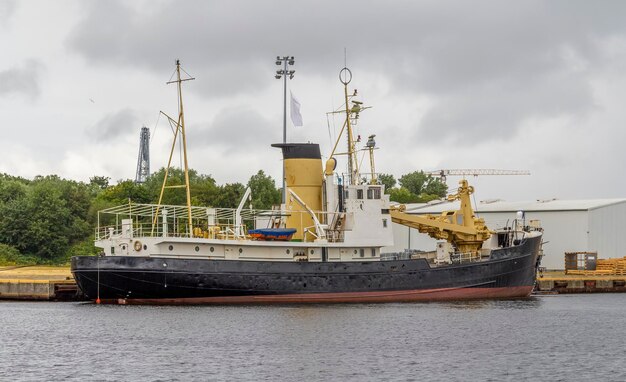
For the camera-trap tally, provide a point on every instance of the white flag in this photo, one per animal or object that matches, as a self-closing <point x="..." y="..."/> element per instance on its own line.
<point x="296" y="117"/>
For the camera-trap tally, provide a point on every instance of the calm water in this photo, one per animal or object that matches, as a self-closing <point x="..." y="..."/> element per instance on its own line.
<point x="564" y="338"/>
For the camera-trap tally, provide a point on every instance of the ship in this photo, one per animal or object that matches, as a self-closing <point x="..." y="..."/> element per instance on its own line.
<point x="323" y="244"/>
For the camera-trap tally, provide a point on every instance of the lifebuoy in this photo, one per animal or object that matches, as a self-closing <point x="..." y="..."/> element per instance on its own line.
<point x="137" y="246"/>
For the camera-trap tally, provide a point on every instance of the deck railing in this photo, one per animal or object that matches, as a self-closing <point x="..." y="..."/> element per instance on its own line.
<point x="138" y="220"/>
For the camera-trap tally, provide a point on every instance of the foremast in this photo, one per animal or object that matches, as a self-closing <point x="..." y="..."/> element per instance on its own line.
<point x="178" y="128"/>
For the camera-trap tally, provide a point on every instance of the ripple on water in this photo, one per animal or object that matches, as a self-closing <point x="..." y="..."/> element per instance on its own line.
<point x="550" y="338"/>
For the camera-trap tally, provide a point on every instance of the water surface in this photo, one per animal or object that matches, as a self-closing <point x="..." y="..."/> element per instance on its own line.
<point x="554" y="338"/>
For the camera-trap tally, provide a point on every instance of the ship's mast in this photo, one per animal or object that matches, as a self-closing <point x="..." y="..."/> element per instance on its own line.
<point x="353" y="164"/>
<point x="179" y="127"/>
<point x="371" y="146"/>
<point x="345" y="76"/>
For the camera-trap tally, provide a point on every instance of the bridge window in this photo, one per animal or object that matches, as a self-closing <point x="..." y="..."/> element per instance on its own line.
<point x="384" y="223"/>
<point x="373" y="193"/>
<point x="359" y="194"/>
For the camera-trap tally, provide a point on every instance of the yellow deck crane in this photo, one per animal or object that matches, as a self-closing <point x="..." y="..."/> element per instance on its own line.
<point x="459" y="227"/>
<point x="462" y="228"/>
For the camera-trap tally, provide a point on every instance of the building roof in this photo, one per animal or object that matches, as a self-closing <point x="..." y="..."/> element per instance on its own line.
<point x="526" y="206"/>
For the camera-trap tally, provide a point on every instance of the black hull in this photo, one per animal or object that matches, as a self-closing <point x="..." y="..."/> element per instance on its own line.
<point x="510" y="272"/>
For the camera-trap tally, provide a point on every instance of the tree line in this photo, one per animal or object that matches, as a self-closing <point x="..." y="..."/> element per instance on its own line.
<point x="47" y="220"/>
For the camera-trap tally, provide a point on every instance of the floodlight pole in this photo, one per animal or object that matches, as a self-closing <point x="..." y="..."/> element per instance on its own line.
<point x="284" y="61"/>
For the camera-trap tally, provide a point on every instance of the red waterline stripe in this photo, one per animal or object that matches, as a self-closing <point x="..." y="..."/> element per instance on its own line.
<point x="344" y="297"/>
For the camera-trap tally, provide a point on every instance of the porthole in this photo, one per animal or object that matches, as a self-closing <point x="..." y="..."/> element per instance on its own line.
<point x="145" y="246"/>
<point x="355" y="251"/>
<point x="288" y="251"/>
<point x="211" y="249"/>
<point x="171" y="247"/>
<point x="240" y="250"/>
<point x="123" y="247"/>
<point x="197" y="248"/>
<point x="312" y="252"/>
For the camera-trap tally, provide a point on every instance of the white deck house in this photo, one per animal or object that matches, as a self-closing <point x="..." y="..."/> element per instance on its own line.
<point x="569" y="225"/>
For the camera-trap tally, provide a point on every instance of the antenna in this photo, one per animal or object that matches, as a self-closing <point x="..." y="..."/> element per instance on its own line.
<point x="143" y="159"/>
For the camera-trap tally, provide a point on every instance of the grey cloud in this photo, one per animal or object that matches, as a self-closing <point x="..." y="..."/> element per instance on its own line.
<point x="451" y="40"/>
<point x="115" y="125"/>
<point x="22" y="80"/>
<point x="234" y="129"/>
<point x="486" y="63"/>
<point x="7" y="9"/>
<point x="497" y="111"/>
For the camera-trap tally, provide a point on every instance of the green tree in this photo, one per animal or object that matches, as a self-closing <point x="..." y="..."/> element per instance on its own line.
<point x="388" y="181"/>
<point x="403" y="195"/>
<point x="264" y="192"/>
<point x="11" y="189"/>
<point x="50" y="221"/>
<point x="11" y="256"/>
<point x="201" y="187"/>
<point x="436" y="188"/>
<point x="14" y="221"/>
<point x="124" y="191"/>
<point x="99" y="182"/>
<point x="414" y="181"/>
<point x="203" y="190"/>
<point x="47" y="218"/>
<point x="229" y="195"/>
<point x="420" y="184"/>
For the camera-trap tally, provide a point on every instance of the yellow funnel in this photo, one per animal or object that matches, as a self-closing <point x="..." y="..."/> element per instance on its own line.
<point x="303" y="175"/>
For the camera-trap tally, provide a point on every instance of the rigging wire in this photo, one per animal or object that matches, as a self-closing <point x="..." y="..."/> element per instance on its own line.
<point x="475" y="205"/>
<point x="155" y="127"/>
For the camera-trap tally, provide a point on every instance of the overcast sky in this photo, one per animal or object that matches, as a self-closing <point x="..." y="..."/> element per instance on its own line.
<point x="528" y="85"/>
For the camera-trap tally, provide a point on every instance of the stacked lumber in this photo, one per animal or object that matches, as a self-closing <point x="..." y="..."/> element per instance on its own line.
<point x="615" y="266"/>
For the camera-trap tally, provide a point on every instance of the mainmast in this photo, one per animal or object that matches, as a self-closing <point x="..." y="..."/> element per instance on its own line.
<point x="352" y="113"/>
<point x="178" y="127"/>
<point x="353" y="164"/>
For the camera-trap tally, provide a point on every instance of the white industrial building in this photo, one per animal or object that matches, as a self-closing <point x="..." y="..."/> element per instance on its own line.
<point x="569" y="225"/>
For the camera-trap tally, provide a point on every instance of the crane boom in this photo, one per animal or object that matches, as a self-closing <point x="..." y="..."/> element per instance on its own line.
<point x="460" y="227"/>
<point x="475" y="172"/>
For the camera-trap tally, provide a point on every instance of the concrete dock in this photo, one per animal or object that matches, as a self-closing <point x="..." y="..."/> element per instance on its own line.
<point x="37" y="283"/>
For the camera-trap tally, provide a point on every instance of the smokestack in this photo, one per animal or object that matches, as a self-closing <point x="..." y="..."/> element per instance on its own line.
<point x="303" y="173"/>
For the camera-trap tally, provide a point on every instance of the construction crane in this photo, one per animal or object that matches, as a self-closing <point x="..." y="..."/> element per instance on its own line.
<point x="475" y="172"/>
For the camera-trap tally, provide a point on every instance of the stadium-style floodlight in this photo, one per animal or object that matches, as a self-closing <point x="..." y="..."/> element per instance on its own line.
<point x="284" y="73"/>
